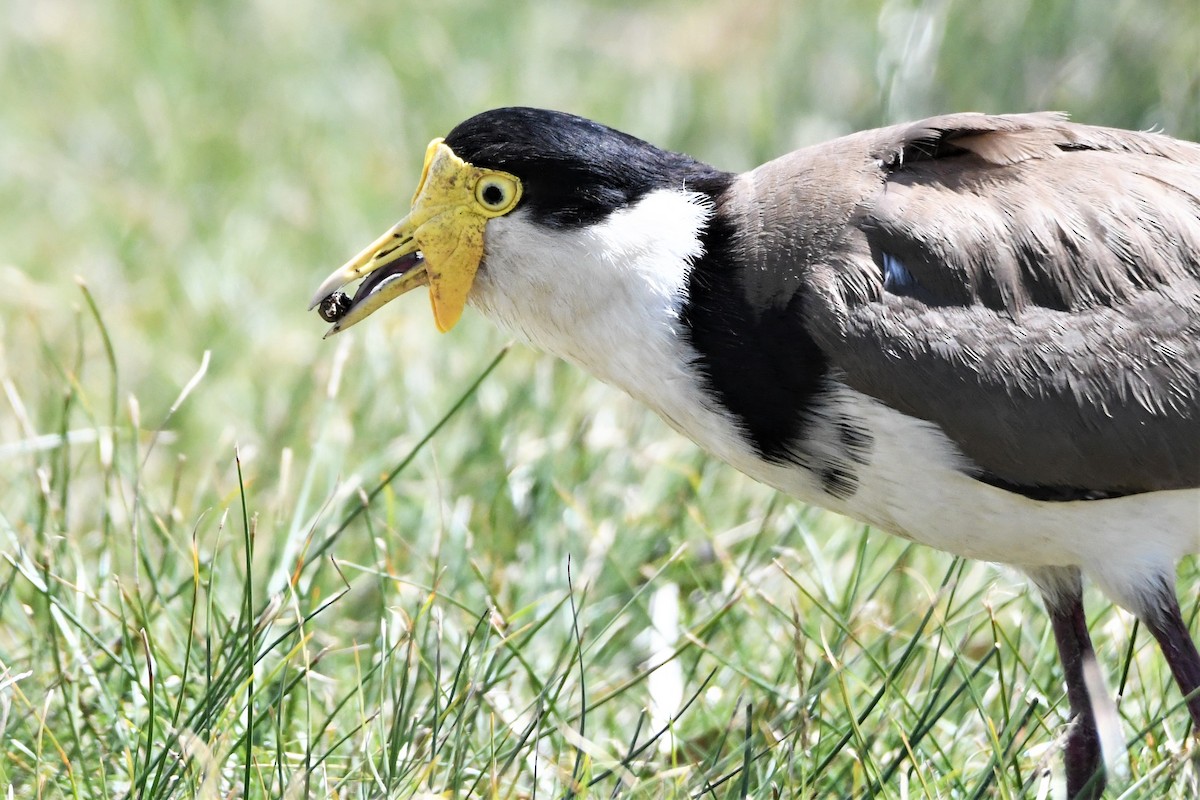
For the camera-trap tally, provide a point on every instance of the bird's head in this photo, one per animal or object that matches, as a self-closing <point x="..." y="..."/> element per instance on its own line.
<point x="554" y="173"/>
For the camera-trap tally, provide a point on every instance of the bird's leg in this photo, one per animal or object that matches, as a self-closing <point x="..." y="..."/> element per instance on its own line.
<point x="1062" y="592"/>
<point x="1165" y="621"/>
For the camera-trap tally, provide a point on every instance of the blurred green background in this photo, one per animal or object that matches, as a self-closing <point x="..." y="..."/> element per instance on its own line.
<point x="199" y="167"/>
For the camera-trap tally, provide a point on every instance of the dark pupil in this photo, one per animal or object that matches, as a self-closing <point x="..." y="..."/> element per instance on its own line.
<point x="492" y="195"/>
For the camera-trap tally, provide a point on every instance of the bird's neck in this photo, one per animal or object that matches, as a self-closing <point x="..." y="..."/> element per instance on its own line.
<point x="618" y="316"/>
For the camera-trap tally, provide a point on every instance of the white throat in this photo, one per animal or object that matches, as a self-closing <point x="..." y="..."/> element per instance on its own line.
<point x="605" y="296"/>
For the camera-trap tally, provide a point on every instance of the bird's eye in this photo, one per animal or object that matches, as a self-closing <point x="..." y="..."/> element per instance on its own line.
<point x="497" y="193"/>
<point x="492" y="195"/>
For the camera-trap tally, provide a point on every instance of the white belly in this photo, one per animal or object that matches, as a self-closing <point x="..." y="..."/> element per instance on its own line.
<point x="912" y="485"/>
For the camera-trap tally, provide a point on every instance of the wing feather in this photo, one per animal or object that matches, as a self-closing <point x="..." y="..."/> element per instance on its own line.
<point x="1051" y="326"/>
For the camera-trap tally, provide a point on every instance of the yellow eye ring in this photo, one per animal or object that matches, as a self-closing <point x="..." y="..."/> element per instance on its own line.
<point x="497" y="193"/>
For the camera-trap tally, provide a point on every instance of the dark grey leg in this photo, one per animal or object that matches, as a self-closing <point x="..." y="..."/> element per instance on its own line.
<point x="1165" y="621"/>
<point x="1062" y="592"/>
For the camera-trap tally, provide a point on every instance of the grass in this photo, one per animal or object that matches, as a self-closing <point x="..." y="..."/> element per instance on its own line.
<point x="237" y="560"/>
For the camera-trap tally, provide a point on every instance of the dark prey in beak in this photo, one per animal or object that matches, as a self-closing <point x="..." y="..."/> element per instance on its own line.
<point x="338" y="304"/>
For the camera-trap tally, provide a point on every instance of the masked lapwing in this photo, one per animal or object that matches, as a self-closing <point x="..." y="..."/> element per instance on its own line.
<point x="981" y="333"/>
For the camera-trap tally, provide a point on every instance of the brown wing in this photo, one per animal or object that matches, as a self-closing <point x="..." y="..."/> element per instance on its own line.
<point x="1029" y="285"/>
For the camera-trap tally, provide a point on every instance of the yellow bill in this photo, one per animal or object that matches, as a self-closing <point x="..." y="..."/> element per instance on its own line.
<point x="440" y="244"/>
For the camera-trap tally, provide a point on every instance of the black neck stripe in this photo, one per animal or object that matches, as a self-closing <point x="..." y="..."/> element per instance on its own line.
<point x="759" y="363"/>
